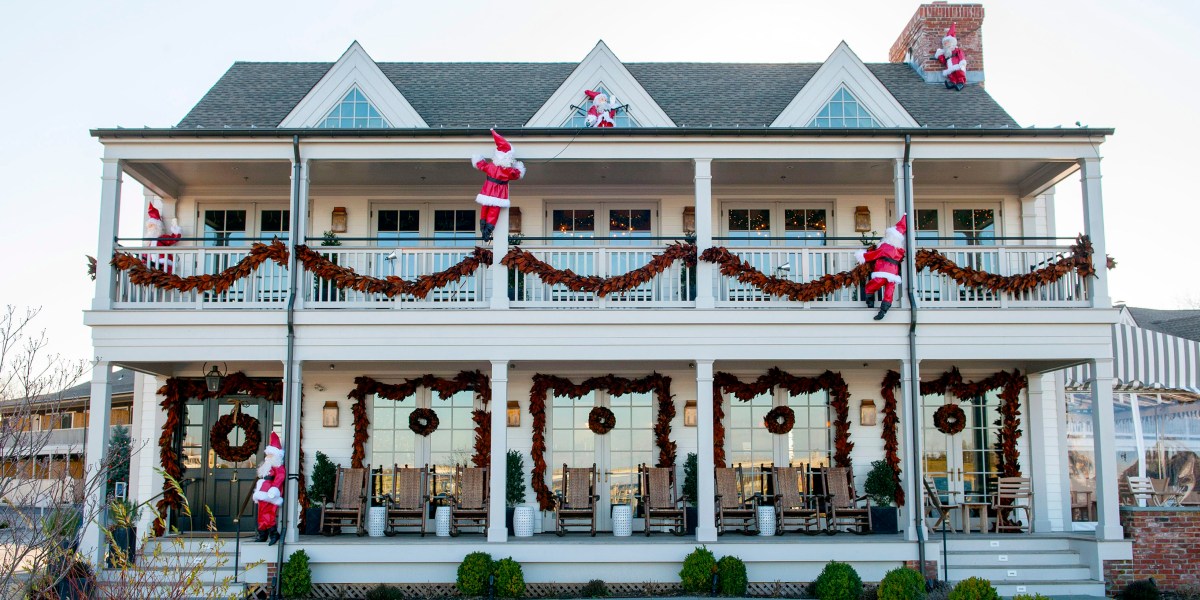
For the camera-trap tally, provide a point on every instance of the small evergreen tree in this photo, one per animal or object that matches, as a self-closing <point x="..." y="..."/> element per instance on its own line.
<point x="514" y="489"/>
<point x="690" y="484"/>
<point x="324" y="479"/>
<point x="118" y="453"/>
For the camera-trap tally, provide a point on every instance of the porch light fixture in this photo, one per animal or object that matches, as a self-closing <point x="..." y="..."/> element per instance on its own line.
<point x="337" y="222"/>
<point x="866" y="413"/>
<point x="689" y="413"/>
<point x="689" y="218"/>
<point x="514" y="413"/>
<point x="329" y="414"/>
<point x="214" y="377"/>
<point x="862" y="219"/>
<point x="514" y="219"/>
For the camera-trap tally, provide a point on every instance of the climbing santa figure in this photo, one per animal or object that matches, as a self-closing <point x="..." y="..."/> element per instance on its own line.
<point x="494" y="195"/>
<point x="954" y="62"/>
<point x="268" y="490"/>
<point x="885" y="268"/>
<point x="158" y="235"/>
<point x="603" y="111"/>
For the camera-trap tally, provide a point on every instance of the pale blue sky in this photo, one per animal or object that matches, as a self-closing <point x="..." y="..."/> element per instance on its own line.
<point x="78" y="65"/>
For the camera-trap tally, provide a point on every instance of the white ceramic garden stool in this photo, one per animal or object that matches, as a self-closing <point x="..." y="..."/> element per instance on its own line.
<point x="523" y="521"/>
<point x="622" y="520"/>
<point x="766" y="520"/>
<point x="376" y="520"/>
<point x="441" y="520"/>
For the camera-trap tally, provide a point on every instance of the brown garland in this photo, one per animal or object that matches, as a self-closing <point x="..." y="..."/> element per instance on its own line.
<point x="140" y="274"/>
<point x="365" y="387"/>
<point x="347" y="278"/>
<point x="891" y="446"/>
<point x="542" y="384"/>
<point x="950" y="419"/>
<point x="218" y="437"/>
<point x="601" y="420"/>
<point x="175" y="393"/>
<point x="423" y="421"/>
<point x="839" y="399"/>
<point x="525" y="262"/>
<point x="733" y="266"/>
<point x="483" y="437"/>
<point x="1010" y="386"/>
<point x="780" y="420"/>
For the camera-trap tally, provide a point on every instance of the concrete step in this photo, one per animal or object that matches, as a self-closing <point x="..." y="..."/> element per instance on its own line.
<point x="1014" y="542"/>
<point x="1004" y="557"/>
<point x="1021" y="573"/>
<point x="1083" y="587"/>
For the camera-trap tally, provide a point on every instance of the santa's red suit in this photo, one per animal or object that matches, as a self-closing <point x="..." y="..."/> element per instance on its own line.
<point x="603" y="111"/>
<point x="954" y="62"/>
<point x="885" y="268"/>
<point x="268" y="490"/>
<point x="155" y="229"/>
<point x="494" y="195"/>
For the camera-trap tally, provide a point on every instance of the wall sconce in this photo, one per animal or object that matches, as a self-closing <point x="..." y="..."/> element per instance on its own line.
<point x="862" y="219"/>
<point x="337" y="222"/>
<point x="866" y="413"/>
<point x="213" y="378"/>
<point x="689" y="218"/>
<point x="329" y="414"/>
<point x="514" y="413"/>
<point x="689" y="413"/>
<point x="514" y="219"/>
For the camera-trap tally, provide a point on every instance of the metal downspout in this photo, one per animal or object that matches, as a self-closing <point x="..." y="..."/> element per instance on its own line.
<point x="914" y="399"/>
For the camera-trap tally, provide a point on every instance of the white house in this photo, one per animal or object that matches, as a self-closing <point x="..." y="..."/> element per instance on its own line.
<point x="746" y="189"/>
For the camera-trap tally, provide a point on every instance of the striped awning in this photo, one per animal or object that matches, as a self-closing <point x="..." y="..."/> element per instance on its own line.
<point x="1147" y="360"/>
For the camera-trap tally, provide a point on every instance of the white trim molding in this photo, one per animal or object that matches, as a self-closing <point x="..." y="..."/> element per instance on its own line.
<point x="354" y="68"/>
<point x="600" y="68"/>
<point x="843" y="67"/>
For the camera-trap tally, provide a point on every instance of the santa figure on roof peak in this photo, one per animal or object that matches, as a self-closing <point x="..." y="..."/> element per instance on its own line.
<point x="954" y="62"/>
<point x="268" y="490"/>
<point x="603" y="112"/>
<point x="885" y="267"/>
<point x="494" y="195"/>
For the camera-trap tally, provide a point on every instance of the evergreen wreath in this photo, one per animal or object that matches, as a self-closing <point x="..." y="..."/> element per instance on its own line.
<point x="423" y="421"/>
<point x="780" y="420"/>
<point x="950" y="419"/>
<point x="218" y="438"/>
<point x="601" y="420"/>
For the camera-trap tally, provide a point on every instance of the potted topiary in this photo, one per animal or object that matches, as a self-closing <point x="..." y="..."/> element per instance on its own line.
<point x="320" y="491"/>
<point x="881" y="487"/>
<point x="689" y="491"/>
<point x="514" y="489"/>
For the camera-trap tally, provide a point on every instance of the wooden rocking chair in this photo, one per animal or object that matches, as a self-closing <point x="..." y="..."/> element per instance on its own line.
<point x="408" y="502"/>
<point x="1010" y="491"/>
<point x="469" y="504"/>
<point x="661" y="502"/>
<point x="793" y="505"/>
<point x="576" y="500"/>
<point x="845" y="506"/>
<point x="350" y="496"/>
<point x="733" y="508"/>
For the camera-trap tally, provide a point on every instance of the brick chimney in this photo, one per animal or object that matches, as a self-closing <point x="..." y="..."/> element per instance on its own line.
<point x="923" y="36"/>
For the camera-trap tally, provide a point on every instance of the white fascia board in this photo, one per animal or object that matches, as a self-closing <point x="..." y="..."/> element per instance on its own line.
<point x="600" y="68"/>
<point x="843" y="67"/>
<point x="355" y="67"/>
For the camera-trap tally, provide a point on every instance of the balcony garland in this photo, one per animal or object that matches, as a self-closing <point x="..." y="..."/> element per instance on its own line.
<point x="542" y="384"/>
<point x="347" y="278"/>
<point x="175" y="393"/>
<point x="731" y="265"/>
<point x="891" y="446"/>
<point x="365" y="387"/>
<point x="839" y="399"/>
<point x="525" y="262"/>
<point x="140" y="274"/>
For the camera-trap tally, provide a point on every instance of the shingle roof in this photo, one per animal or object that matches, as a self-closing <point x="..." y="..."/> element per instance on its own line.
<point x="1179" y="323"/>
<point x="508" y="94"/>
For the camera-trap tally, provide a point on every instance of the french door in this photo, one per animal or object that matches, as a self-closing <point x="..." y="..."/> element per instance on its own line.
<point x="616" y="454"/>
<point x="964" y="466"/>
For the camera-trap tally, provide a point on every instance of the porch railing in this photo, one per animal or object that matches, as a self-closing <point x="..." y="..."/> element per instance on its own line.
<point x="266" y="287"/>
<point x="673" y="288"/>
<point x="471" y="291"/>
<point x="800" y="265"/>
<point x="940" y="291"/>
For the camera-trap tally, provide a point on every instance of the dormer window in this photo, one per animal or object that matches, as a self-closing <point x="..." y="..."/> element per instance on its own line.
<point x="579" y="115"/>
<point x="355" y="112"/>
<point x="843" y="110"/>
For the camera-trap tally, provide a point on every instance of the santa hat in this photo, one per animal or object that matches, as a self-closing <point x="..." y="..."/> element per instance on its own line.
<point x="502" y="144"/>
<point x="952" y="33"/>
<point x="154" y="223"/>
<point x="273" y="447"/>
<point x="902" y="224"/>
<point x="591" y="94"/>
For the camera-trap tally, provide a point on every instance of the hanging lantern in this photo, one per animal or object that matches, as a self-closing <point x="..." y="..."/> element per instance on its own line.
<point x="329" y="414"/>
<point x="213" y="378"/>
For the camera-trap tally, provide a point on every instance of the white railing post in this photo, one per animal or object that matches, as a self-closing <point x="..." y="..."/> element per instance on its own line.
<point x="110" y="213"/>
<point x="1093" y="218"/>
<point x="705" y="272"/>
<point x="498" y="478"/>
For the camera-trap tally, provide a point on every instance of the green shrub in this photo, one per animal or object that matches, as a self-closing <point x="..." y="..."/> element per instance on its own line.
<point x="324" y="478"/>
<point x="473" y="574"/>
<point x="974" y="588"/>
<point x="295" y="579"/>
<point x="510" y="581"/>
<point x="837" y="581"/>
<point x="1145" y="589"/>
<point x="595" y="588"/>
<point x="690" y="483"/>
<point x="385" y="592"/>
<point x="881" y="484"/>
<point x="731" y="576"/>
<point x="514" y="487"/>
<point x="697" y="572"/>
<point x="902" y="583"/>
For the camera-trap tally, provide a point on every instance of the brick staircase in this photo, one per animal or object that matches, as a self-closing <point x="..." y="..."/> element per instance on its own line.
<point x="1018" y="564"/>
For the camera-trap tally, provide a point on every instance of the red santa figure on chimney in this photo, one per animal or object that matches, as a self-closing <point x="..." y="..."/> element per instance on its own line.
<point x="603" y="110"/>
<point x="161" y="237"/>
<point x="954" y="62"/>
<point x="268" y="490"/>
<point x="885" y="270"/>
<point x="494" y="195"/>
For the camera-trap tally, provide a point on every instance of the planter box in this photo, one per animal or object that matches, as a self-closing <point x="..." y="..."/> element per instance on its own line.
<point x="312" y="521"/>
<point x="508" y="518"/>
<point x="883" y="519"/>
<point x="689" y="513"/>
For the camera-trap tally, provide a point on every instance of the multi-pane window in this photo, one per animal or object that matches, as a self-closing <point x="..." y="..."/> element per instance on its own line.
<point x="275" y="223"/>
<point x="808" y="441"/>
<point x="749" y="445"/>
<point x="750" y="224"/>
<point x="398" y="227"/>
<point x="625" y="225"/>
<point x="454" y="227"/>
<point x="579" y="117"/>
<point x="354" y="112"/>
<point x="601" y="223"/>
<point x="974" y="226"/>
<point x="573" y="443"/>
<point x="392" y="442"/>
<point x="225" y="227"/>
<point x="843" y="110"/>
<point x="927" y="224"/>
<point x="806" y="225"/>
<point x="570" y="224"/>
<point x="630" y="444"/>
<point x="453" y="443"/>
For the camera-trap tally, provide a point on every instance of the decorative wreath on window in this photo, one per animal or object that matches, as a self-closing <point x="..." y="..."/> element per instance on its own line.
<point x="950" y="419"/>
<point x="780" y="420"/>
<point x="218" y="438"/>
<point x="423" y="421"/>
<point x="601" y="420"/>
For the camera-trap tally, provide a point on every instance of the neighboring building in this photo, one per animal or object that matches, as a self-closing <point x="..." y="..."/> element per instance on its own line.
<point x="787" y="167"/>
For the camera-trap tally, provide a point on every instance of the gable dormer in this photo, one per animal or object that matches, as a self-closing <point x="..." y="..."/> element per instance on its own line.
<point x="354" y="93"/>
<point x="600" y="70"/>
<point x="844" y="93"/>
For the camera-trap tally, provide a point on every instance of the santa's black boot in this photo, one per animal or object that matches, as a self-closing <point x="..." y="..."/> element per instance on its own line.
<point x="883" y="308"/>
<point x="261" y="536"/>
<point x="486" y="230"/>
<point x="273" y="535"/>
<point x="871" y="300"/>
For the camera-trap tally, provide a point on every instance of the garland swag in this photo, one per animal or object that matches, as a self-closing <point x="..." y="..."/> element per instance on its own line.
<point x="891" y="446"/>
<point x="346" y="278"/>
<point x="525" y="262"/>
<point x="542" y="384"/>
<point x="140" y="274"/>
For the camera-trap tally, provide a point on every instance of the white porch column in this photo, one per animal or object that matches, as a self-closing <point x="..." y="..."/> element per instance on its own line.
<point x="145" y="459"/>
<point x="1093" y="220"/>
<point x="898" y="190"/>
<point x="92" y="544"/>
<point x="300" y="224"/>
<point x="497" y="530"/>
<point x="110" y="213"/>
<point x="292" y="397"/>
<point x="1104" y="445"/>
<point x="705" y="272"/>
<point x="910" y="446"/>
<point x="1043" y="460"/>
<point x="500" y="272"/>
<point x="706" y="518"/>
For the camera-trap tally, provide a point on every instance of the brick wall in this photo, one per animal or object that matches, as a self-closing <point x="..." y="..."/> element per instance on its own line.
<point x="928" y="26"/>
<point x="1166" y="544"/>
<point x="931" y="567"/>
